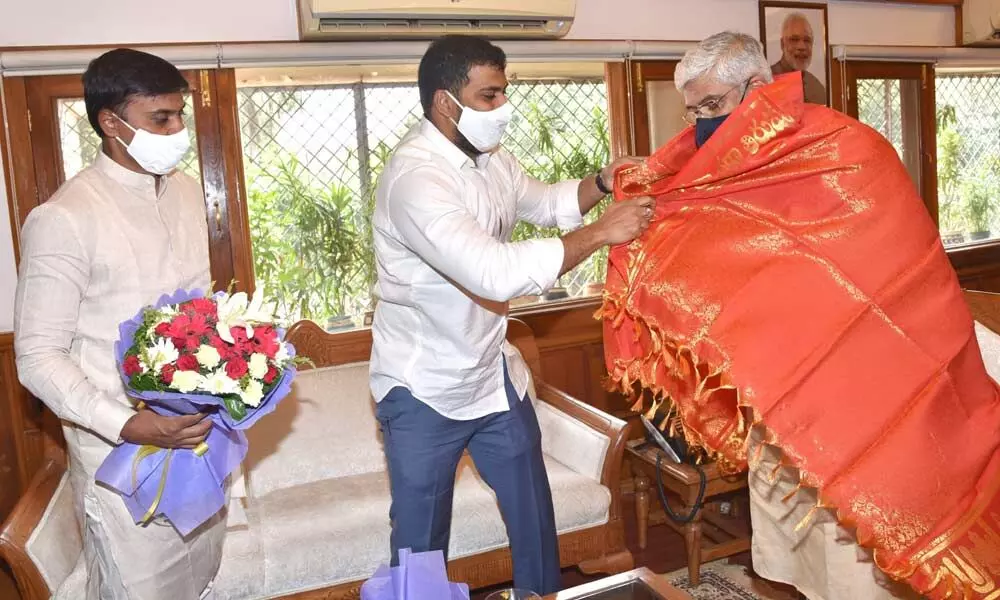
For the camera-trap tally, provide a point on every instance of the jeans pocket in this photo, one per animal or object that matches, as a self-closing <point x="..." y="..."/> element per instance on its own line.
<point x="388" y="408"/>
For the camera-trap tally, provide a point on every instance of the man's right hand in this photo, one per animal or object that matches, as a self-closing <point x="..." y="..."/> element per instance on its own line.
<point x="624" y="221"/>
<point x="149" y="428"/>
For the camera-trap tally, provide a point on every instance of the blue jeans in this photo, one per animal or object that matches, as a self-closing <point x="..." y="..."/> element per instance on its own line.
<point x="423" y="449"/>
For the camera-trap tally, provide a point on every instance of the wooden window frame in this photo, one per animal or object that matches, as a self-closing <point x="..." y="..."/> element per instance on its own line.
<point x="977" y="265"/>
<point x="924" y="73"/>
<point x="34" y="163"/>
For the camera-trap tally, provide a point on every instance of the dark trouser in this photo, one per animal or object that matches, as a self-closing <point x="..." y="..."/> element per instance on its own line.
<point x="423" y="448"/>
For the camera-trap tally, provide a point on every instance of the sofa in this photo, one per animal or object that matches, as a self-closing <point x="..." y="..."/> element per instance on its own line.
<point x="309" y="514"/>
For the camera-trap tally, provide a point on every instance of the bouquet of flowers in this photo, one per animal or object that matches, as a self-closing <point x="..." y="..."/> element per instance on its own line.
<point x="222" y="355"/>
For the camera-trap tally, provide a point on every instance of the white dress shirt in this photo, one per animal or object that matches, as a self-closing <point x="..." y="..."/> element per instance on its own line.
<point x="106" y="244"/>
<point x="447" y="269"/>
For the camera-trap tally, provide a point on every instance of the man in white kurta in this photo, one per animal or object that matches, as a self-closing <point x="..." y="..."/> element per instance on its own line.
<point x="110" y="241"/>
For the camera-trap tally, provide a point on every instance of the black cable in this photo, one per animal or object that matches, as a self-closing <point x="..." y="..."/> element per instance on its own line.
<point x="702" y="483"/>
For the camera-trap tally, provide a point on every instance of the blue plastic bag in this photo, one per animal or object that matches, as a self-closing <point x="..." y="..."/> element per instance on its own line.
<point x="419" y="576"/>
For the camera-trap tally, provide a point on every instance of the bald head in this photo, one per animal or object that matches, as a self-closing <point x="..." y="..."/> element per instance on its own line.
<point x="797" y="41"/>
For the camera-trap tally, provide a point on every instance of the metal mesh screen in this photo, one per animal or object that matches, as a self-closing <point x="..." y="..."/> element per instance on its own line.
<point x="880" y="106"/>
<point x="312" y="156"/>
<point x="968" y="139"/>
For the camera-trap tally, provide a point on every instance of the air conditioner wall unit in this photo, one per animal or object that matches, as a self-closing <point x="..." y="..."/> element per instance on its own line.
<point x="981" y="23"/>
<point x="426" y="19"/>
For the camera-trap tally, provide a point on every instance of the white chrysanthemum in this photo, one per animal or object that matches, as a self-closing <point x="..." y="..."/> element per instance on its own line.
<point x="218" y="383"/>
<point x="253" y="393"/>
<point x="258" y="365"/>
<point x="235" y="311"/>
<point x="160" y="353"/>
<point x="186" y="381"/>
<point x="208" y="356"/>
<point x="282" y="354"/>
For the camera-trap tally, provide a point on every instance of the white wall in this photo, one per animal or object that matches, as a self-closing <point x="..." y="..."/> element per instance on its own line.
<point x="101" y="22"/>
<point x="867" y="24"/>
<point x="106" y="22"/>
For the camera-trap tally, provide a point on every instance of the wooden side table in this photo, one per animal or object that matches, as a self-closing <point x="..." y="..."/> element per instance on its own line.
<point x="726" y="535"/>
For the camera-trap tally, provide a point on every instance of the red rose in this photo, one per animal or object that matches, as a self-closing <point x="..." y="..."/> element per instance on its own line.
<point x="243" y="346"/>
<point x="187" y="362"/>
<point x="265" y="340"/>
<point x="205" y="307"/>
<point x="193" y="342"/>
<point x="271" y="375"/>
<point x="131" y="365"/>
<point x="225" y="350"/>
<point x="236" y="368"/>
<point x="167" y="374"/>
<point x="185" y="326"/>
<point x="162" y="330"/>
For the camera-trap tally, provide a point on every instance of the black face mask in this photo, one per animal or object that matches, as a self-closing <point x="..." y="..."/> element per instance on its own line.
<point x="704" y="128"/>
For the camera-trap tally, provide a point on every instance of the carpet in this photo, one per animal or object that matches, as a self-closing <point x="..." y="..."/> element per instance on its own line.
<point x="723" y="581"/>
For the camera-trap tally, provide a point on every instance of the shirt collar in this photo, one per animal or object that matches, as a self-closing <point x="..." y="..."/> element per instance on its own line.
<point x="449" y="151"/>
<point x="127" y="177"/>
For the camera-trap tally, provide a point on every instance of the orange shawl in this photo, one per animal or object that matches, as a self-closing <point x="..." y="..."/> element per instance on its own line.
<point x="792" y="278"/>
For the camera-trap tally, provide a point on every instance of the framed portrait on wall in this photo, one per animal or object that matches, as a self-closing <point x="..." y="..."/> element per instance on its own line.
<point x="795" y="38"/>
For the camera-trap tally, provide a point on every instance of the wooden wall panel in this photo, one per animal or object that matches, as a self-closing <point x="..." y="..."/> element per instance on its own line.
<point x="10" y="474"/>
<point x="28" y="432"/>
<point x="978" y="268"/>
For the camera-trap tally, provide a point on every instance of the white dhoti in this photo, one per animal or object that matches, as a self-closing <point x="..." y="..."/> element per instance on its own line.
<point x="821" y="559"/>
<point x="126" y="561"/>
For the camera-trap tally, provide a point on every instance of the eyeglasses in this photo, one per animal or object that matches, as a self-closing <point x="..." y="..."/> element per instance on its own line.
<point x="710" y="108"/>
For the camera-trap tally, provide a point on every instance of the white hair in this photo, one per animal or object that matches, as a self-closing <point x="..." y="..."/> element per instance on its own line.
<point x="795" y="17"/>
<point x="730" y="58"/>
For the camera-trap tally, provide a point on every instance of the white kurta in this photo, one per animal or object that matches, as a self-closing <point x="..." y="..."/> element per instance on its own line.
<point x="106" y="244"/>
<point x="822" y="560"/>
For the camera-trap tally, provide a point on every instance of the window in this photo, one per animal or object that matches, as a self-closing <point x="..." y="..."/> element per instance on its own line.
<point x="79" y="143"/>
<point x="314" y="142"/>
<point x="968" y="156"/>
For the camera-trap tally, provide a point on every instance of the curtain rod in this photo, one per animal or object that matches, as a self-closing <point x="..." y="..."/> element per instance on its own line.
<point x="943" y="56"/>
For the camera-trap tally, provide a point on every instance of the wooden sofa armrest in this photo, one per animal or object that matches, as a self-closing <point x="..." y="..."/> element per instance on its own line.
<point x="21" y="523"/>
<point x="601" y="423"/>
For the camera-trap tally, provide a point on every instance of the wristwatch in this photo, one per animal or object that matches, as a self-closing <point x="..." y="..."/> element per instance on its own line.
<point x="600" y="184"/>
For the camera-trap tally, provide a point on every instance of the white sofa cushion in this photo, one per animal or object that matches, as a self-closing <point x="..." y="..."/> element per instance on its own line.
<point x="241" y="574"/>
<point x="989" y="346"/>
<point x="572" y="442"/>
<point x="324" y="429"/>
<point x="333" y="531"/>
<point x="56" y="544"/>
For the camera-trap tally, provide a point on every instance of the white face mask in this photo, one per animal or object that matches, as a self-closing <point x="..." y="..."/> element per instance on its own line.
<point x="157" y="154"/>
<point x="483" y="129"/>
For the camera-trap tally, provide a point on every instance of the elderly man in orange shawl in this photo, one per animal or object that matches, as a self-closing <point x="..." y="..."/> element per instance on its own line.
<point x="793" y="307"/>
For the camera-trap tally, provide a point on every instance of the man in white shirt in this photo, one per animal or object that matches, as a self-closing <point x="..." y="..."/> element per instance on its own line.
<point x="111" y="240"/>
<point x="441" y="371"/>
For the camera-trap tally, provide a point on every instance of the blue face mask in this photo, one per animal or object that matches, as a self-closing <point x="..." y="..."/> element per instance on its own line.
<point x="704" y="128"/>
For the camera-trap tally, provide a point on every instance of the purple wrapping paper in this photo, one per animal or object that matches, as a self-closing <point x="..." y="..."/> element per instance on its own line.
<point x="194" y="490"/>
<point x="419" y="576"/>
